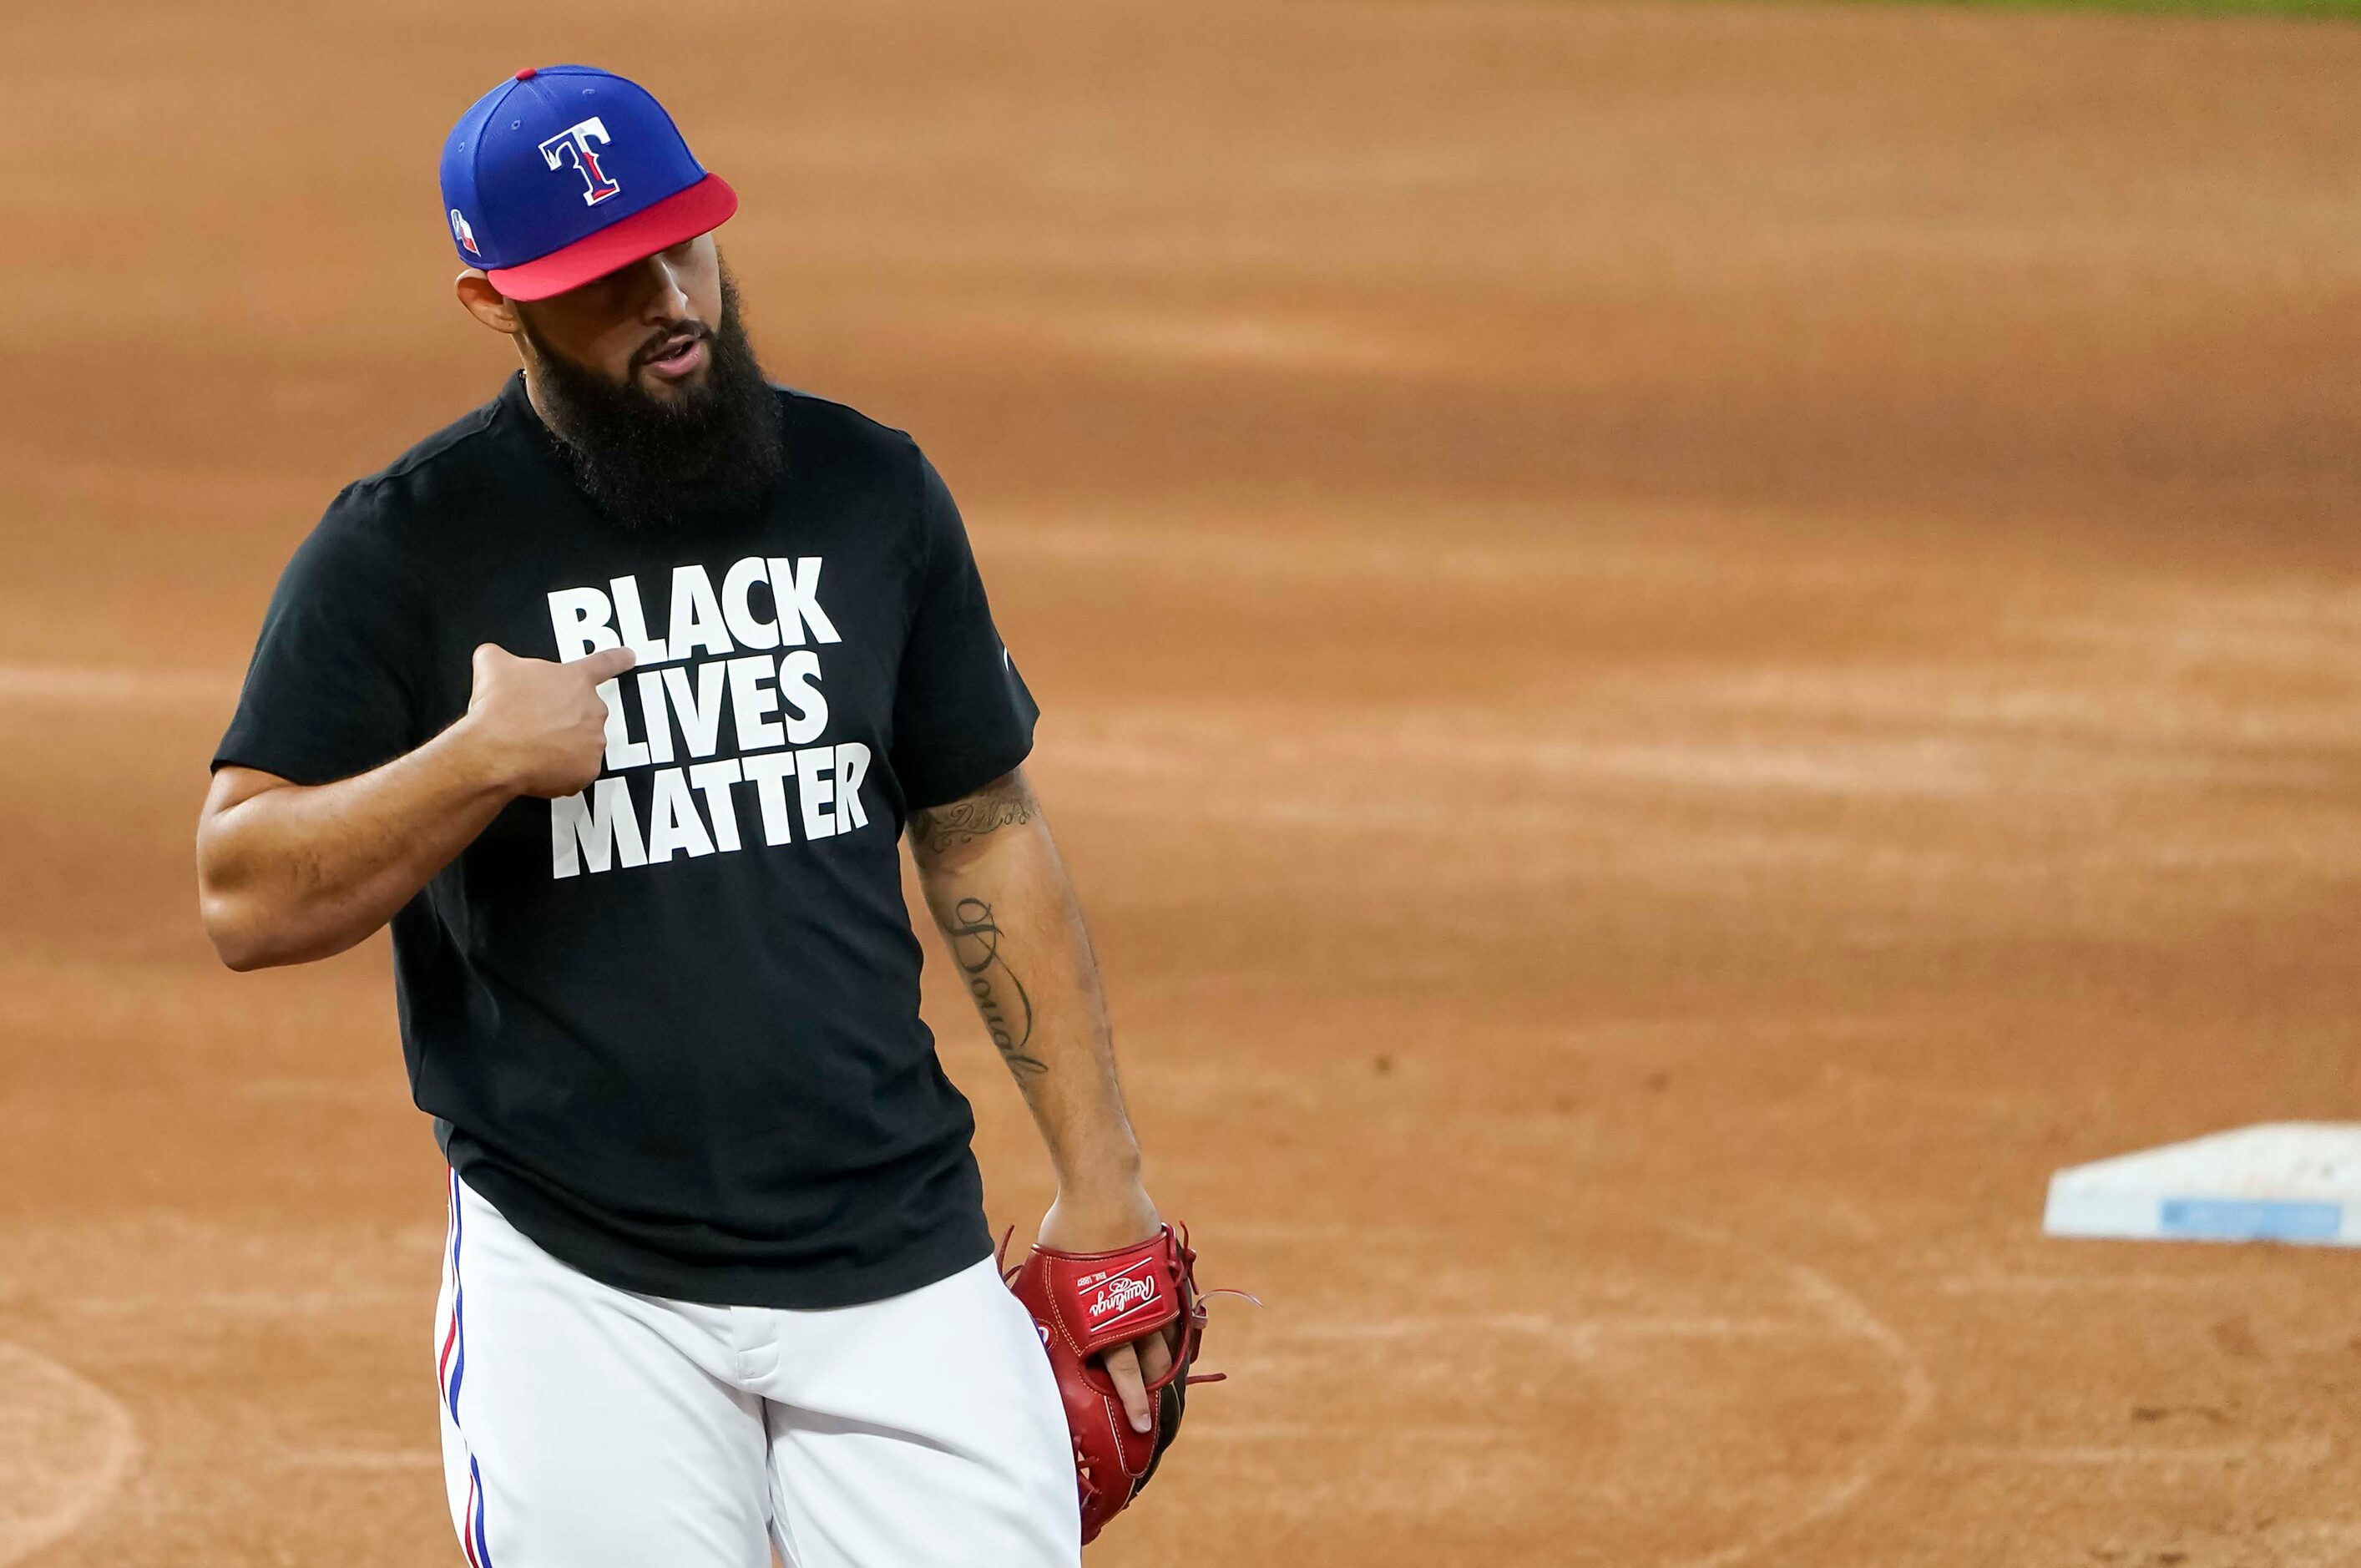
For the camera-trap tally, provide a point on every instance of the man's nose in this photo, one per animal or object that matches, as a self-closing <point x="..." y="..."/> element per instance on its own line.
<point x="663" y="297"/>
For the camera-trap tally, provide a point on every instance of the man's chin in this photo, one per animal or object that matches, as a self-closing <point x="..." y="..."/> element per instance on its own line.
<point x="673" y="389"/>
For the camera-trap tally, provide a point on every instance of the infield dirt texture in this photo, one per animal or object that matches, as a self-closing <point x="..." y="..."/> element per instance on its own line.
<point x="1682" y="646"/>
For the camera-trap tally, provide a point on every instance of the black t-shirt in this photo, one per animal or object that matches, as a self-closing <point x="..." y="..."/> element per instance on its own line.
<point x="669" y="1026"/>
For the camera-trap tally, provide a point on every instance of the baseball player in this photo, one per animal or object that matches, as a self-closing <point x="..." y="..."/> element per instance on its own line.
<point x="613" y="699"/>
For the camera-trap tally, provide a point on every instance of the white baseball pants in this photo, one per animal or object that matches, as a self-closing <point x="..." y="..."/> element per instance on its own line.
<point x="587" y="1427"/>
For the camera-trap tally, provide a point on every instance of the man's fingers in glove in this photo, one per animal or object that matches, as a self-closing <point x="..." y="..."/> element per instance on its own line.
<point x="1132" y="1368"/>
<point x="1155" y="1354"/>
<point x="1122" y="1364"/>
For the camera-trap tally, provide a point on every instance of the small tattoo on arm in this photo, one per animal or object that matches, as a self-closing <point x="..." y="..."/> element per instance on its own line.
<point x="1007" y="1012"/>
<point x="988" y="810"/>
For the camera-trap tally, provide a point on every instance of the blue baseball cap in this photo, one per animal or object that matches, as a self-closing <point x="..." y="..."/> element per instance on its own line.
<point x="564" y="173"/>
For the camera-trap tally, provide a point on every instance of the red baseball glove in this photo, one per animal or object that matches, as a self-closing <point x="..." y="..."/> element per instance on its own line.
<point x="1081" y="1304"/>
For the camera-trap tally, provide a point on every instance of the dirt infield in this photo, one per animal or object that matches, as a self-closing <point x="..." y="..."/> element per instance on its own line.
<point x="1683" y="645"/>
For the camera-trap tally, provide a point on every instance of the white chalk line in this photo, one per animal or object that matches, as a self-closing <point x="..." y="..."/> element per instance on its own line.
<point x="244" y="1303"/>
<point x="1575" y="1335"/>
<point x="1509" y="748"/>
<point x="99" y="686"/>
<point x="337" y="1090"/>
<point x="1837" y="1314"/>
<point x="1478" y="1434"/>
<point x="2085" y="1284"/>
<point x="1849" y="1313"/>
<point x="25" y="1374"/>
<point x="1228" y="340"/>
<point x="2293" y="1453"/>
<point x="352" y="1459"/>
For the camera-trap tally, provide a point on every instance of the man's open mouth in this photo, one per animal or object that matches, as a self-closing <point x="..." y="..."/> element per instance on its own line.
<point x="680" y="354"/>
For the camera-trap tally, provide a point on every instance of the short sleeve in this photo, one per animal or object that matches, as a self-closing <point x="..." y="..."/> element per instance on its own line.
<point x="332" y="689"/>
<point x="962" y="716"/>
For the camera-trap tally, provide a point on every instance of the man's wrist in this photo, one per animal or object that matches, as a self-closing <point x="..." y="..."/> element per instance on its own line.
<point x="1099" y="1212"/>
<point x="480" y="763"/>
<point x="1116" y="1174"/>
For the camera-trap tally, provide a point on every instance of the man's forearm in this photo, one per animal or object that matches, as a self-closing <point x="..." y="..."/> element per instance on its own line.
<point x="999" y="891"/>
<point x="295" y="873"/>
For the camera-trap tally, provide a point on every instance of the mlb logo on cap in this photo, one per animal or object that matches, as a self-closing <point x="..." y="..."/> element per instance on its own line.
<point x="563" y="174"/>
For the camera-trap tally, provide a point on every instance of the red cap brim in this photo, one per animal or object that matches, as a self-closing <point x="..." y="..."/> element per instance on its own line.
<point x="702" y="208"/>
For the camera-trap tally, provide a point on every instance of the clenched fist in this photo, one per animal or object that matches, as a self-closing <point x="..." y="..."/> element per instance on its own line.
<point x="540" y="727"/>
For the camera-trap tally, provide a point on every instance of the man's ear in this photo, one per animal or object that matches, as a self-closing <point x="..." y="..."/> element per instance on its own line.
<point x="486" y="304"/>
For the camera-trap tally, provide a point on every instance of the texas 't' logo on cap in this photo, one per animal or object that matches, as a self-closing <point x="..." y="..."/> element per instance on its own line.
<point x="572" y="145"/>
<point x="567" y="173"/>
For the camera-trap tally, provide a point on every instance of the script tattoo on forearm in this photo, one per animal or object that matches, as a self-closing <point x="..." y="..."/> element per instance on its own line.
<point x="999" y="994"/>
<point x="987" y="811"/>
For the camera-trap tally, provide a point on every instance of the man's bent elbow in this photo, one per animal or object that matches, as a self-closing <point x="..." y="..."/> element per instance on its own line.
<point x="246" y="937"/>
<point x="247" y="932"/>
<point x="234" y="904"/>
<point x="240" y="940"/>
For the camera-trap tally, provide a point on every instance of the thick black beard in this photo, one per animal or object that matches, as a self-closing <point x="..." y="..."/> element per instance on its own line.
<point x="649" y="462"/>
